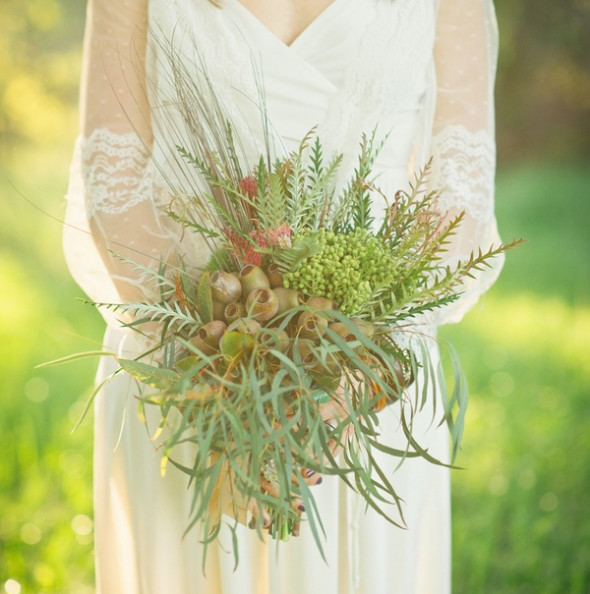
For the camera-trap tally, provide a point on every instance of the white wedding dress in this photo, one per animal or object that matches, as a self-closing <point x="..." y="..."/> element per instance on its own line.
<point x="422" y="71"/>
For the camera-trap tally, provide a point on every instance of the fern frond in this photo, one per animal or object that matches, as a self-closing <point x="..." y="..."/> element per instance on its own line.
<point x="171" y="313"/>
<point x="147" y="273"/>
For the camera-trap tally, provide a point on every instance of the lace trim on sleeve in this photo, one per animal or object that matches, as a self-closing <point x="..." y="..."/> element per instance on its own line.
<point x="117" y="172"/>
<point x="463" y="170"/>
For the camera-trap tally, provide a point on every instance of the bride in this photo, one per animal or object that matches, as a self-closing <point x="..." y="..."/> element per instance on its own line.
<point x="419" y="71"/>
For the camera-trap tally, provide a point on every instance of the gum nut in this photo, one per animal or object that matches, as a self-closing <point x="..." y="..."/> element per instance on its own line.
<point x="343" y="331"/>
<point x="274" y="276"/>
<point x="218" y="310"/>
<point x="208" y="336"/>
<point x="288" y="298"/>
<point x="201" y="345"/>
<point x="329" y="382"/>
<point x="279" y="339"/>
<point x="211" y="332"/>
<point x="304" y="348"/>
<point x="233" y="311"/>
<point x="403" y="375"/>
<point x="225" y="287"/>
<point x="311" y="325"/>
<point x="366" y="327"/>
<point x="262" y="304"/>
<point x="331" y="367"/>
<point x="253" y="277"/>
<point x="245" y="325"/>
<point x="319" y="303"/>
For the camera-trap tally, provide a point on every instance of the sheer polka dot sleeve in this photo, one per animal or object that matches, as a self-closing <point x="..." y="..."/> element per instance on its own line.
<point x="463" y="137"/>
<point x="114" y="198"/>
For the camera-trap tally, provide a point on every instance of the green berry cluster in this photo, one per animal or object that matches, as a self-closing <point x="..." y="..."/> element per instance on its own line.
<point x="348" y="268"/>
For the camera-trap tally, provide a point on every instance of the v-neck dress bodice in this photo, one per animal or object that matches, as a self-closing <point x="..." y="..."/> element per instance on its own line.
<point x="360" y="66"/>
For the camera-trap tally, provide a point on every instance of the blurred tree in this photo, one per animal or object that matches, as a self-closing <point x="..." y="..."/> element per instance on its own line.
<point x="543" y="88"/>
<point x="40" y="57"/>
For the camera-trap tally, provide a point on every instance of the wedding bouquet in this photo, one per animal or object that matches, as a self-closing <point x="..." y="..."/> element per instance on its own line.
<point x="283" y="349"/>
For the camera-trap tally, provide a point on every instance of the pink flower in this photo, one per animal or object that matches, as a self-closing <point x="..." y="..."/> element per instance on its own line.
<point x="243" y="248"/>
<point x="249" y="186"/>
<point x="279" y="237"/>
<point x="246" y="248"/>
<point x="260" y="238"/>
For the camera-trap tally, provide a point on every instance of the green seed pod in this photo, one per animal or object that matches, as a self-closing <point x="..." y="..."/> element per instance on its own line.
<point x="245" y="325"/>
<point x="225" y="287"/>
<point x="288" y="298"/>
<point x="208" y="337"/>
<point x="233" y="311"/>
<point x="253" y="277"/>
<point x="262" y="304"/>
<point x="329" y="382"/>
<point x="274" y="276"/>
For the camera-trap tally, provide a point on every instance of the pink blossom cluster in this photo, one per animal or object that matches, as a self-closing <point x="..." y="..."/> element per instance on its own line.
<point x="246" y="248"/>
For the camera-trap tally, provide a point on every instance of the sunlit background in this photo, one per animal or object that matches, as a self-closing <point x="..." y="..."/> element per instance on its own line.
<point x="521" y="522"/>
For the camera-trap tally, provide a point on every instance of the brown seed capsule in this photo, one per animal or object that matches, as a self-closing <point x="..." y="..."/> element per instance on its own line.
<point x="253" y="277"/>
<point x="233" y="311"/>
<point x="277" y="339"/>
<point x="208" y="337"/>
<point x="343" y="331"/>
<point x="304" y="348"/>
<point x="218" y="310"/>
<point x="311" y="325"/>
<point x="274" y="276"/>
<point x="366" y="327"/>
<point x="288" y="298"/>
<point x="262" y="304"/>
<point x="330" y="367"/>
<point x="319" y="303"/>
<point x="397" y="380"/>
<point x="245" y="325"/>
<point x="225" y="287"/>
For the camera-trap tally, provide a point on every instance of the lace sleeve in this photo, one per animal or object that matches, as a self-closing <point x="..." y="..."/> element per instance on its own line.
<point x="114" y="199"/>
<point x="463" y="142"/>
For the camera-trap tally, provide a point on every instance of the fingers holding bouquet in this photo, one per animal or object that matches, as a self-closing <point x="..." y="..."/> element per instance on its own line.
<point x="335" y="416"/>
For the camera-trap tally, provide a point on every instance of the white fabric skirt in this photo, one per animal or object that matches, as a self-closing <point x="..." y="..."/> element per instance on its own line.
<point x="141" y="518"/>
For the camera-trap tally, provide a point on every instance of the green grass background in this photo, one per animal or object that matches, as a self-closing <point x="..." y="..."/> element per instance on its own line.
<point x="520" y="519"/>
<point x="520" y="514"/>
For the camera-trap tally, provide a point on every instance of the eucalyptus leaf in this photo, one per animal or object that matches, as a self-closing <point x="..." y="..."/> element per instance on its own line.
<point x="156" y="377"/>
<point x="205" y="298"/>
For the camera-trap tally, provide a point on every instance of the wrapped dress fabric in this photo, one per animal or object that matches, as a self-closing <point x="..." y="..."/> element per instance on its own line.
<point x="422" y="73"/>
